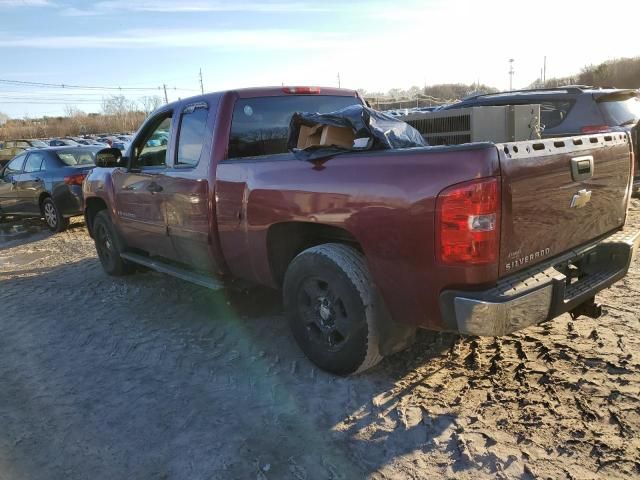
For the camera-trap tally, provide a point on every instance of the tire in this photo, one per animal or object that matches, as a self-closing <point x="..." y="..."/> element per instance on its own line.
<point x="109" y="246"/>
<point x="52" y="216"/>
<point x="334" y="309"/>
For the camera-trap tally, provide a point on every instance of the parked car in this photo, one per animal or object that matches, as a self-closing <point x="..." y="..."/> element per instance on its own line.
<point x="63" y="142"/>
<point x="160" y="138"/>
<point x="46" y="182"/>
<point x="89" y="141"/>
<point x="366" y="246"/>
<point x="11" y="148"/>
<point x="108" y="140"/>
<point x="122" y="146"/>
<point x="574" y="110"/>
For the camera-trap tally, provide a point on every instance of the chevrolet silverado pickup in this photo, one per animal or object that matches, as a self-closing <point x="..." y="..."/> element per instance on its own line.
<point x="367" y="246"/>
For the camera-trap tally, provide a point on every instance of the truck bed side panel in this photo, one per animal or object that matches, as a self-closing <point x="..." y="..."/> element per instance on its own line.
<point x="385" y="200"/>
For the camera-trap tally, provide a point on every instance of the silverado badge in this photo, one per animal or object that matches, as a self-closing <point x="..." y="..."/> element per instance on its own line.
<point x="581" y="198"/>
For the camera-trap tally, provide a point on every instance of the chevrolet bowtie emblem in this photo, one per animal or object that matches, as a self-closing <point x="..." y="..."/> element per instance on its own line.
<point x="581" y="198"/>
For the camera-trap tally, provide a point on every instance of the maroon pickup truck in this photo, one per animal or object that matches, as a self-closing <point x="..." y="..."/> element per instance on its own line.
<point x="481" y="239"/>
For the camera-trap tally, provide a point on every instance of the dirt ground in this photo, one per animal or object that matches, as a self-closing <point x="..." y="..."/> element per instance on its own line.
<point x="149" y="377"/>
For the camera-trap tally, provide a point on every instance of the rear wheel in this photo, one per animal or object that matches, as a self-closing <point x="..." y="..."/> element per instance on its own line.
<point x="334" y="309"/>
<point x="109" y="246"/>
<point x="55" y="221"/>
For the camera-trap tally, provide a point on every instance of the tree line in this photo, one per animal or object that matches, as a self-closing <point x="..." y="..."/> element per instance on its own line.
<point x="119" y="114"/>
<point x="618" y="73"/>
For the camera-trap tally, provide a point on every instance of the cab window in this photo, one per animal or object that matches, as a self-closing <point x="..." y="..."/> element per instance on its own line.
<point x="191" y="135"/>
<point x="260" y="126"/>
<point x="151" y="149"/>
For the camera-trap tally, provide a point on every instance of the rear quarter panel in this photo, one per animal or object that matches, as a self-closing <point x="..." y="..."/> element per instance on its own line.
<point x="386" y="200"/>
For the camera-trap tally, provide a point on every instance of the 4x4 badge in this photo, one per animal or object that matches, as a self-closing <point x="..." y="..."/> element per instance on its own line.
<point x="581" y="198"/>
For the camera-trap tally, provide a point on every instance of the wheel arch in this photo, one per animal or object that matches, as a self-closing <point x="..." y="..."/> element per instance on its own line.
<point x="43" y="196"/>
<point x="93" y="205"/>
<point x="287" y="239"/>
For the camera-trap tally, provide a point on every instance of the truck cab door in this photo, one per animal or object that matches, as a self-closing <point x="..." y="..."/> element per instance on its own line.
<point x="9" y="196"/>
<point x="186" y="187"/>
<point x="139" y="191"/>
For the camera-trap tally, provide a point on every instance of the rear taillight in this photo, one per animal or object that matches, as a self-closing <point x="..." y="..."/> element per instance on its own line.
<point x="301" y="90"/>
<point x="468" y="223"/>
<point x="76" y="179"/>
<point x="595" y="129"/>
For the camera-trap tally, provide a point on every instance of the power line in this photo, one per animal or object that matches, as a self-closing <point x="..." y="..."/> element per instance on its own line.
<point x="85" y="87"/>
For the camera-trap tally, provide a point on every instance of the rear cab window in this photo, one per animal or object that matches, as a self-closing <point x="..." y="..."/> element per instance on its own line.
<point x="260" y="126"/>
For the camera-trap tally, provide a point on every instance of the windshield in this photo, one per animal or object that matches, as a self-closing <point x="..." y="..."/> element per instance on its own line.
<point x="622" y="112"/>
<point x="77" y="157"/>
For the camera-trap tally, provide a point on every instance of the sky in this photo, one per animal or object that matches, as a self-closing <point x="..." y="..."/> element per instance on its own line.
<point x="140" y="45"/>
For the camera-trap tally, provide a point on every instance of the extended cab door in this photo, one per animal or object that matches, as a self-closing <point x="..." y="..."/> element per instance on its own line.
<point x="9" y="196"/>
<point x="186" y="187"/>
<point x="138" y="190"/>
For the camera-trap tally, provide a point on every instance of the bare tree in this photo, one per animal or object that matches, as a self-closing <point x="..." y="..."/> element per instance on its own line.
<point x="4" y="118"/>
<point x="71" y="111"/>
<point x="117" y="105"/>
<point x="150" y="103"/>
<point x="122" y="108"/>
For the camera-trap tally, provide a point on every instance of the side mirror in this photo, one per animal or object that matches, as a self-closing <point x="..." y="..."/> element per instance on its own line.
<point x="109" y="158"/>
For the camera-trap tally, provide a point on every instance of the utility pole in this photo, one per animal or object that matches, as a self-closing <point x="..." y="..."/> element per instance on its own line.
<point x="511" y="72"/>
<point x="544" y="71"/>
<point x="541" y="78"/>
<point x="338" y="79"/>
<point x="166" y="99"/>
<point x="201" y="86"/>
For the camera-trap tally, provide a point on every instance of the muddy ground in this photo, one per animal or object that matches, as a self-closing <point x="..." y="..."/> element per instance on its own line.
<point x="148" y="377"/>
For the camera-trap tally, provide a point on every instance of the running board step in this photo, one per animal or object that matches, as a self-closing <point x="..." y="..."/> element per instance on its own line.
<point x="174" y="271"/>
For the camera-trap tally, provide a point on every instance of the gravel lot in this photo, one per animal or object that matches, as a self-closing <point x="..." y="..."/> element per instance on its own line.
<point x="151" y="377"/>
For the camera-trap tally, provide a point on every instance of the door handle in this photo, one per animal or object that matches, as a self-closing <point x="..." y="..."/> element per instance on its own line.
<point x="154" y="188"/>
<point x="38" y="180"/>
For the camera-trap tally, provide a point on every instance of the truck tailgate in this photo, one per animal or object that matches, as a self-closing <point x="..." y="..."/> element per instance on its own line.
<point x="559" y="194"/>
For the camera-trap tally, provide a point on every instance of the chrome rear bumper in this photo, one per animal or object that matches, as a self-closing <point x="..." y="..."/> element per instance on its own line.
<point x="542" y="292"/>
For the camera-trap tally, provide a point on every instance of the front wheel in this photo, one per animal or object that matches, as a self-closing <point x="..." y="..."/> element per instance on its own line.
<point x="108" y="246"/>
<point x="334" y="309"/>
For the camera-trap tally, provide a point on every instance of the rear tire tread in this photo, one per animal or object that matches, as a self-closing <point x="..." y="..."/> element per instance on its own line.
<point x="353" y="264"/>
